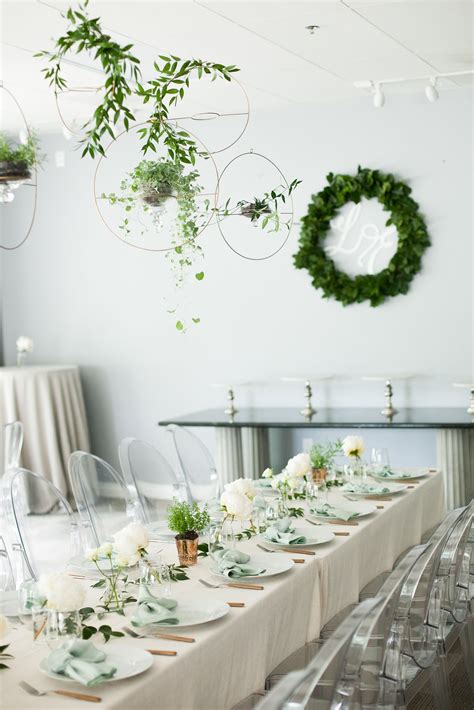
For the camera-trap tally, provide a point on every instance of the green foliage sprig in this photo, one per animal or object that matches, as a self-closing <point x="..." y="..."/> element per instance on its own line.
<point x="413" y="238"/>
<point x="120" y="67"/>
<point x="295" y="512"/>
<point x="20" y="153"/>
<point x="322" y="455"/>
<point x="88" y="631"/>
<point x="268" y="207"/>
<point x="187" y="519"/>
<point x="4" y="656"/>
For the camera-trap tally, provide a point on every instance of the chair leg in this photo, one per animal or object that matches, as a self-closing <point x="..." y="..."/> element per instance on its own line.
<point x="467" y="645"/>
<point x="440" y="685"/>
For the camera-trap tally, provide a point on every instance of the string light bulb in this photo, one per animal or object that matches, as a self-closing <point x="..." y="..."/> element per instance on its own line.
<point x="431" y="91"/>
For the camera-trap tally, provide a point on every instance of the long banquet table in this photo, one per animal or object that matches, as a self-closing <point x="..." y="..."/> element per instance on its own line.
<point x="232" y="656"/>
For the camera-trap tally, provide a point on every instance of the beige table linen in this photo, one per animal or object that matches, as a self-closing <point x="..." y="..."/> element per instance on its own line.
<point x="232" y="656"/>
<point x="49" y="403"/>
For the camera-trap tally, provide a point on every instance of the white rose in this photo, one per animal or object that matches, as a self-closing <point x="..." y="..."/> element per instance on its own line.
<point x="268" y="473"/>
<point x="4" y="628"/>
<point x="24" y="344"/>
<point x="236" y="504"/>
<point x="62" y="592"/>
<point x="92" y="554"/>
<point x="131" y="541"/>
<point x="299" y="465"/>
<point x="353" y="446"/>
<point x="244" y="486"/>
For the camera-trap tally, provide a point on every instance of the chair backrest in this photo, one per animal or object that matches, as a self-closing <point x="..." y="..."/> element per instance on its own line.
<point x="418" y="625"/>
<point x="11" y="440"/>
<point x="345" y="671"/>
<point x="7" y="578"/>
<point x="197" y="464"/>
<point x="30" y="536"/>
<point x="104" y="501"/>
<point x="148" y="473"/>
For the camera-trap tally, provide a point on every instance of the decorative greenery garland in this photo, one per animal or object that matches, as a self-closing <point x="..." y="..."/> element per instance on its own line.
<point x="413" y="238"/>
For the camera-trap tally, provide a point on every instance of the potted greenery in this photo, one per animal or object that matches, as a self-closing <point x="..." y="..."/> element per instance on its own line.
<point x="321" y="456"/>
<point x="187" y="520"/>
<point x="16" y="161"/>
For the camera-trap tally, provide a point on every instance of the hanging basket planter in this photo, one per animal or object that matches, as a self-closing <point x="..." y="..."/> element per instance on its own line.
<point x="14" y="172"/>
<point x="155" y="196"/>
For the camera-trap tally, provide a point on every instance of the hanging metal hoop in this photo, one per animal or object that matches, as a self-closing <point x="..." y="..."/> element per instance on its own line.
<point x="78" y="90"/>
<point x="35" y="184"/>
<point x="289" y="198"/>
<point x="97" y="198"/>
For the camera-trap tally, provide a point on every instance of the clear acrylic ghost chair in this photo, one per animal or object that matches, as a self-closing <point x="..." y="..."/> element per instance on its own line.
<point x="40" y="543"/>
<point x="196" y="463"/>
<point x="414" y="649"/>
<point x="105" y="503"/>
<point x="11" y="441"/>
<point x="147" y="472"/>
<point x="330" y="680"/>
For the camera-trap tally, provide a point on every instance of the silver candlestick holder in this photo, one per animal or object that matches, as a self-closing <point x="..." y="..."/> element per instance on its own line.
<point x="389" y="411"/>
<point x="308" y="410"/>
<point x="230" y="410"/>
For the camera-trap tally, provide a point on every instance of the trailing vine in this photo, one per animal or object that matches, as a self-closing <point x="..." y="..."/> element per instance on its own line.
<point x="413" y="238"/>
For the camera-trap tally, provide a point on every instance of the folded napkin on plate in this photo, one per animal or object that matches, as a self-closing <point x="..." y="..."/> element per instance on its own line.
<point x="365" y="488"/>
<point x="233" y="564"/>
<point x="331" y="512"/>
<point x="387" y="473"/>
<point x="81" y="661"/>
<point x="153" y="610"/>
<point x="281" y="531"/>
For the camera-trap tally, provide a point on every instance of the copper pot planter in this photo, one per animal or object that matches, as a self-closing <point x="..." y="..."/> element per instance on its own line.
<point x="319" y="474"/>
<point x="187" y="551"/>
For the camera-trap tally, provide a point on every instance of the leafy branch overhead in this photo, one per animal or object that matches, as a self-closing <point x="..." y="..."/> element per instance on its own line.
<point x="413" y="238"/>
<point x="123" y="80"/>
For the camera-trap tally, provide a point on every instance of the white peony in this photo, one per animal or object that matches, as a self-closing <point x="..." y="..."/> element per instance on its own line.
<point x="244" y="486"/>
<point x="268" y="473"/>
<point x="62" y="592"/>
<point x="4" y="628"/>
<point x="130" y="543"/>
<point x="299" y="465"/>
<point x="236" y="504"/>
<point x="24" y="344"/>
<point x="353" y="446"/>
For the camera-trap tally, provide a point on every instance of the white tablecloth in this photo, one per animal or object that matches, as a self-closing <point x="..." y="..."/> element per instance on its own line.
<point x="232" y="656"/>
<point x="49" y="403"/>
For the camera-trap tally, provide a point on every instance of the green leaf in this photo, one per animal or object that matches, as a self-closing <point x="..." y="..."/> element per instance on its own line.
<point x="200" y="275"/>
<point x="179" y="325"/>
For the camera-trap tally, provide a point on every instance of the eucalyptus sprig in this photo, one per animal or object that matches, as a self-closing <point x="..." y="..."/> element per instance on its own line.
<point x="120" y="66"/>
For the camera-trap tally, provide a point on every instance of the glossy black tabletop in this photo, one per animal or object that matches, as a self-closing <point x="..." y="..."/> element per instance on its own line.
<point x="369" y="418"/>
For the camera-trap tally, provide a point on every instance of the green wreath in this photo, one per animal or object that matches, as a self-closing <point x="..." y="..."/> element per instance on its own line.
<point x="413" y="238"/>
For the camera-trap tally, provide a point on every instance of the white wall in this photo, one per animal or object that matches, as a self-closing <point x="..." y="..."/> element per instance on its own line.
<point x="88" y="299"/>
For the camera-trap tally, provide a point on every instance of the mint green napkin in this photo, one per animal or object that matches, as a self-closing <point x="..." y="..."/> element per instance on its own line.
<point x="365" y="489"/>
<point x="282" y="532"/>
<point x="153" y="610"/>
<point x="233" y="564"/>
<point x="330" y="511"/>
<point x="387" y="473"/>
<point x="81" y="661"/>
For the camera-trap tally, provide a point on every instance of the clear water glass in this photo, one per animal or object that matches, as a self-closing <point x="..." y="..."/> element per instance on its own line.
<point x="62" y="626"/>
<point x="379" y="460"/>
<point x="156" y="576"/>
<point x="215" y="538"/>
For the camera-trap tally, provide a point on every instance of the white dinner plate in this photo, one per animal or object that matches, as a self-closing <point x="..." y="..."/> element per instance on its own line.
<point x="272" y="564"/>
<point x="360" y="507"/>
<point x="393" y="488"/>
<point x="313" y="537"/>
<point x="129" y="661"/>
<point x="196" y="612"/>
<point x="402" y="474"/>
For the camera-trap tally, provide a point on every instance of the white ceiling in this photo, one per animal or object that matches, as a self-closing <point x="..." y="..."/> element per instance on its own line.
<point x="281" y="63"/>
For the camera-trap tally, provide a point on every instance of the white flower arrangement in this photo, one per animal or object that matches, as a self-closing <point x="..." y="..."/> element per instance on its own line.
<point x="299" y="466"/>
<point x="237" y="498"/>
<point x="268" y="473"/>
<point x="24" y="344"/>
<point x="353" y="446"/>
<point x="285" y="483"/>
<point x="131" y="544"/>
<point x="62" y="592"/>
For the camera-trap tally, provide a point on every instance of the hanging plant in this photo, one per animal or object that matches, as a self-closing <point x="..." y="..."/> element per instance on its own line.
<point x="413" y="238"/>
<point x="122" y="80"/>
<point x="265" y="211"/>
<point x="147" y="189"/>
<point x="16" y="163"/>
